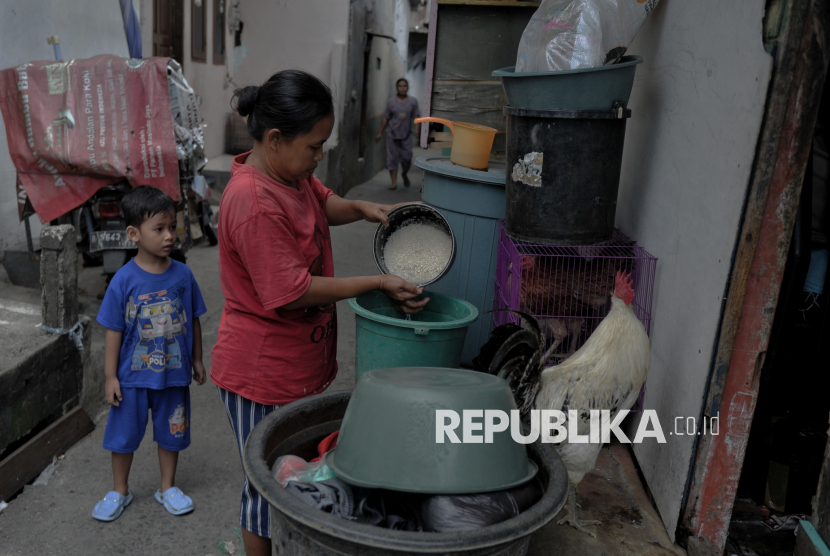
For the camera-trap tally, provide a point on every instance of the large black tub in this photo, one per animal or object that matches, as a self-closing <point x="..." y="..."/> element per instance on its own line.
<point x="302" y="530"/>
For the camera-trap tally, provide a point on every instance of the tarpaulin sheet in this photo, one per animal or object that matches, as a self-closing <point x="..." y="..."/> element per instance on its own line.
<point x="75" y="126"/>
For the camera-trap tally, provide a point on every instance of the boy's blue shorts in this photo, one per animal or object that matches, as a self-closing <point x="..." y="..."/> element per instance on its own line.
<point x="171" y="419"/>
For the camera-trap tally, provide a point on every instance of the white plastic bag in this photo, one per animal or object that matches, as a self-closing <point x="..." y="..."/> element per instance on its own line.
<point x="187" y="122"/>
<point x="573" y="34"/>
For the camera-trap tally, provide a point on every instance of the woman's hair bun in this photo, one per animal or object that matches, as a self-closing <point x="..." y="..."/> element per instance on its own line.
<point x="291" y="101"/>
<point x="246" y="99"/>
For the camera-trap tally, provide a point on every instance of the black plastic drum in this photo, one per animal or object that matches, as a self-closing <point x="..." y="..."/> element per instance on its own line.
<point x="563" y="173"/>
<point x="299" y="529"/>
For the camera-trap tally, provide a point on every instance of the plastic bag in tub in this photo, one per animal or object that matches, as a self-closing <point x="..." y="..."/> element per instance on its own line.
<point x="294" y="468"/>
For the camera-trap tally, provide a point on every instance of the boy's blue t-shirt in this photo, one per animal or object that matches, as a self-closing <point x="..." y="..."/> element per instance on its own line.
<point x="155" y="313"/>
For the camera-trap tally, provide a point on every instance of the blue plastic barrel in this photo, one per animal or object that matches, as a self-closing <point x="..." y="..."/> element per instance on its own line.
<point x="472" y="201"/>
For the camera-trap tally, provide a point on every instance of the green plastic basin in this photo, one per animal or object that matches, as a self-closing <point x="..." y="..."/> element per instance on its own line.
<point x="388" y="434"/>
<point x="579" y="89"/>
<point x="433" y="338"/>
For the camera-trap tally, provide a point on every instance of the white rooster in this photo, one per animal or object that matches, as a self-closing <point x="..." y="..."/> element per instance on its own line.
<point x="607" y="372"/>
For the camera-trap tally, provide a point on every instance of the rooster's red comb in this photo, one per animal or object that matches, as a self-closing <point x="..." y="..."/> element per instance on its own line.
<point x="622" y="287"/>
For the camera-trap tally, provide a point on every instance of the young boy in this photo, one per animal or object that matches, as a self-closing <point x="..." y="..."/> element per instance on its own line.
<point x="151" y="311"/>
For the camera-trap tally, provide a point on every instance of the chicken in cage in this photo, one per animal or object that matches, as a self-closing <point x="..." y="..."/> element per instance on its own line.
<point x="568" y="288"/>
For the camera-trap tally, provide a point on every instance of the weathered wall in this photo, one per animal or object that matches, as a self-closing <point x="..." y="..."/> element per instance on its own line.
<point x="287" y="34"/>
<point x="326" y="38"/>
<point x="276" y="36"/>
<point x="311" y="36"/>
<point x="208" y="80"/>
<point x="380" y="86"/>
<point x="697" y="105"/>
<point x="387" y="18"/>
<point x="417" y="52"/>
<point x="415" y="73"/>
<point x="86" y="28"/>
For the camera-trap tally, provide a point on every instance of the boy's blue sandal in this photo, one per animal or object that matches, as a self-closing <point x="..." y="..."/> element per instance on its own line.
<point x="175" y="501"/>
<point x="111" y="506"/>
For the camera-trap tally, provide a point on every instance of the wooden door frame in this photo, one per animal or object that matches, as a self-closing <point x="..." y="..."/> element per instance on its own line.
<point x="798" y="33"/>
<point x="432" y="33"/>
<point x="364" y="92"/>
<point x="177" y="32"/>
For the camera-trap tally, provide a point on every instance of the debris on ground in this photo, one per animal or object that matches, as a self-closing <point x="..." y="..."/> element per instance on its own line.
<point x="46" y="474"/>
<point x="231" y="547"/>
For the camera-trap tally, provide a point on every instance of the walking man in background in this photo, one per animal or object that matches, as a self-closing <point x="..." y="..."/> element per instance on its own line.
<point x="401" y="110"/>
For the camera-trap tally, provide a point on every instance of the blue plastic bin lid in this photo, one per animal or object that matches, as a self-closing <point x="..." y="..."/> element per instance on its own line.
<point x="496" y="172"/>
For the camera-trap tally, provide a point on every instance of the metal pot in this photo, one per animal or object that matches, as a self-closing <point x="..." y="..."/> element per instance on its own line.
<point x="408" y="214"/>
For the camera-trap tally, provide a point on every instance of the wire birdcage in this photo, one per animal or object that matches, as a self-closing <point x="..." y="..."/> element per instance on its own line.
<point x="568" y="287"/>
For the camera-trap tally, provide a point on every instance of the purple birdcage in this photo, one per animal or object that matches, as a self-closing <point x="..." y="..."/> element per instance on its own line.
<point x="568" y="287"/>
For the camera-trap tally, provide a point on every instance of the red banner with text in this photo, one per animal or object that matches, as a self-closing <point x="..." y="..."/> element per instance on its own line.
<point x="75" y="126"/>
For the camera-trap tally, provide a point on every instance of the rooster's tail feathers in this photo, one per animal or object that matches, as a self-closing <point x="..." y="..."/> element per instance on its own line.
<point x="514" y="354"/>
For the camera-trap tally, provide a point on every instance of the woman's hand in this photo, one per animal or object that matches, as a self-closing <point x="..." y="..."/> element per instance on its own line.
<point x="374" y="213"/>
<point x="403" y="294"/>
<point x="339" y="211"/>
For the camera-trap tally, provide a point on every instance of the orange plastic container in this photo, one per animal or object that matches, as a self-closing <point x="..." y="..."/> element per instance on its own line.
<point x="471" y="143"/>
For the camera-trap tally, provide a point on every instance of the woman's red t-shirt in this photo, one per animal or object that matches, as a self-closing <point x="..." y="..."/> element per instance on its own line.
<point x="272" y="240"/>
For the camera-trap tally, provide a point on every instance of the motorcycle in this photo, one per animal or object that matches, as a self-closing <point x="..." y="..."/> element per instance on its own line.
<point x="100" y="226"/>
<point x="102" y="230"/>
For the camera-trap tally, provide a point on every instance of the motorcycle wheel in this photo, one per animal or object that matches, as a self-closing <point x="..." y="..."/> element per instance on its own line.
<point x="210" y="233"/>
<point x="207" y="225"/>
<point x="90" y="259"/>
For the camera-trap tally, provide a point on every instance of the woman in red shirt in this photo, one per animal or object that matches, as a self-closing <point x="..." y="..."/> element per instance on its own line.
<point x="278" y="334"/>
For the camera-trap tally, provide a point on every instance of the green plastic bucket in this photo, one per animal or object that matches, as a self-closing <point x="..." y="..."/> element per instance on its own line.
<point x="434" y="337"/>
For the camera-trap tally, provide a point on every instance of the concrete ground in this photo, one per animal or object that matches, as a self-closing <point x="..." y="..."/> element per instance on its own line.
<point x="55" y="518"/>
